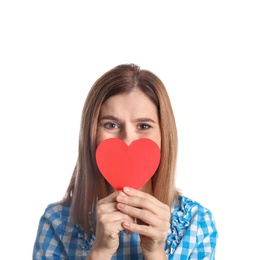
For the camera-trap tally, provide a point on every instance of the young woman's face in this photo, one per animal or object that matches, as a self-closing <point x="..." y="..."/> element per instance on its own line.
<point x="129" y="117"/>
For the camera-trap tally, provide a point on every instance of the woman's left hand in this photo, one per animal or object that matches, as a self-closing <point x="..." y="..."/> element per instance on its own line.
<point x="153" y="220"/>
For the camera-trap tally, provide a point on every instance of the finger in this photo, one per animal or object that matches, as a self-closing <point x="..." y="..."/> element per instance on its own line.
<point x="109" y="229"/>
<point x="138" y="202"/>
<point x="157" y="234"/>
<point x="131" y="192"/>
<point x="106" y="208"/>
<point x="118" y="225"/>
<point x="146" y="216"/>
<point x="143" y="200"/>
<point x="108" y="204"/>
<point x="140" y="229"/>
<point x="114" y="217"/>
<point x="109" y="198"/>
<point x="112" y="224"/>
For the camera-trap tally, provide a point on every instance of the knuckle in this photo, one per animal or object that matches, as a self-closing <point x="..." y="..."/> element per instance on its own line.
<point x="167" y="225"/>
<point x="142" y="201"/>
<point x="162" y="237"/>
<point x="167" y="213"/>
<point x="166" y="208"/>
<point x="145" y="229"/>
<point x="143" y="214"/>
<point x="99" y="210"/>
<point x="102" y="219"/>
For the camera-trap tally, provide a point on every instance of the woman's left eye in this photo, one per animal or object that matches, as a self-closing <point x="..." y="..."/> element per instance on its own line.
<point x="143" y="127"/>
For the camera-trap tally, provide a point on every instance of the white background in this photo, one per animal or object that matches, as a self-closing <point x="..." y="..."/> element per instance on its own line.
<point x="206" y="53"/>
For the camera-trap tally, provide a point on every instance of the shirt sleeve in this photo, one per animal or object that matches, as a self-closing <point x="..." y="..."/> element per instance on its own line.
<point x="48" y="245"/>
<point x="206" y="239"/>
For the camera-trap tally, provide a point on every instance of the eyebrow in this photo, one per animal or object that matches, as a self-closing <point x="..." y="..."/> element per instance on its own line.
<point x="144" y="119"/>
<point x="141" y="119"/>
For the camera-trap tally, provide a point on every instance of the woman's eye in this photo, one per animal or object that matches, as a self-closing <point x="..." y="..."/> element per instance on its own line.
<point x="144" y="127"/>
<point x="111" y="125"/>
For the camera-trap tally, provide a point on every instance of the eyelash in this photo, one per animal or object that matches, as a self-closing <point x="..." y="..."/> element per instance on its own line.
<point x="111" y="125"/>
<point x="116" y="126"/>
<point x="144" y="126"/>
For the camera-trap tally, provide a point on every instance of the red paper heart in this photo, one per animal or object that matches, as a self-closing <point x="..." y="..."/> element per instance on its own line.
<point x="130" y="166"/>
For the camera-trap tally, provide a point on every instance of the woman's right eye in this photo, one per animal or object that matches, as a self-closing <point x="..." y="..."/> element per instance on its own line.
<point x="111" y="125"/>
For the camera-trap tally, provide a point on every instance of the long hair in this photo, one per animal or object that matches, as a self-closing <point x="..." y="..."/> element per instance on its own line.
<point x="87" y="184"/>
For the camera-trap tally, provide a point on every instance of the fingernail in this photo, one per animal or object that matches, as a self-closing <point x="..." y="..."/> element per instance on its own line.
<point x="127" y="189"/>
<point x="120" y="198"/>
<point x="126" y="224"/>
<point x="121" y="206"/>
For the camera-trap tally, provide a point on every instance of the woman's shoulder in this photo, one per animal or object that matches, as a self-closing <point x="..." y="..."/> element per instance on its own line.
<point x="186" y="211"/>
<point x="191" y="223"/>
<point x="57" y="210"/>
<point x="57" y="233"/>
<point x="57" y="215"/>
<point x="184" y="205"/>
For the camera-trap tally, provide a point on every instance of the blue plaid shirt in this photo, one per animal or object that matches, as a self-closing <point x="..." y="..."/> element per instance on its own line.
<point x="192" y="235"/>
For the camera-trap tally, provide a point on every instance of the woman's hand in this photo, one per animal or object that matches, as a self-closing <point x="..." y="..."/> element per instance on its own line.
<point x="108" y="226"/>
<point x="153" y="220"/>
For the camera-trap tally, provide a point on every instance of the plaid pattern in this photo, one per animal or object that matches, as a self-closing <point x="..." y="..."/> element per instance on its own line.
<point x="192" y="235"/>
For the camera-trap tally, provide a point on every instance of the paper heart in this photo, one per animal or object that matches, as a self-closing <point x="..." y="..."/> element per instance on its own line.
<point x="130" y="166"/>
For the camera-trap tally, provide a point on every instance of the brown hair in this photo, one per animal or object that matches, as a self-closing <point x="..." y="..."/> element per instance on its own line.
<point x="87" y="184"/>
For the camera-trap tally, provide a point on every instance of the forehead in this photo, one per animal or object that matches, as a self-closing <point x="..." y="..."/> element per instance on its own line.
<point x="134" y="102"/>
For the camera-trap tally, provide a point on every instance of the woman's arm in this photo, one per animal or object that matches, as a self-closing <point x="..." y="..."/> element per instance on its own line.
<point x="109" y="224"/>
<point x="153" y="221"/>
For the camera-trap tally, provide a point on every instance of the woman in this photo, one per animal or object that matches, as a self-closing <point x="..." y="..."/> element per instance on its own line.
<point x="95" y="221"/>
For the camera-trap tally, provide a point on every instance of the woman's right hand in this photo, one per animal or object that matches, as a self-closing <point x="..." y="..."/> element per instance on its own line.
<point x="108" y="226"/>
